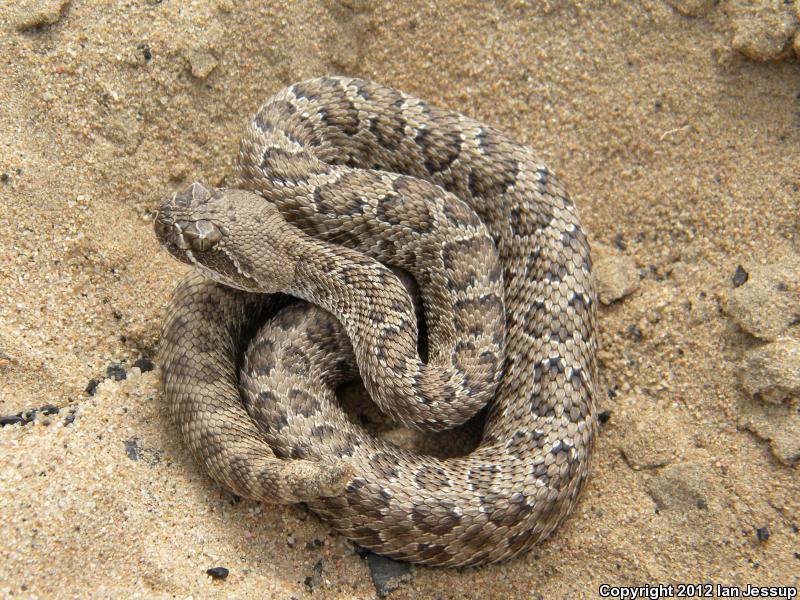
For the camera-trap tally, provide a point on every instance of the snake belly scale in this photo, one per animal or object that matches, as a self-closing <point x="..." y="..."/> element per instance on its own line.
<point x="335" y="178"/>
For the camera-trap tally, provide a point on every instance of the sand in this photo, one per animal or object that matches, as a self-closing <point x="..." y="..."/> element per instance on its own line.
<point x="679" y="138"/>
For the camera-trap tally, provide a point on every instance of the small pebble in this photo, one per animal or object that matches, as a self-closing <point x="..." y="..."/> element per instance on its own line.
<point x="116" y="372"/>
<point x="314" y="544"/>
<point x="145" y="49"/>
<point x="313" y="580"/>
<point x="740" y="276"/>
<point x="290" y="541"/>
<point x="132" y="449"/>
<point x="49" y="409"/>
<point x="69" y="419"/>
<point x="144" y="364"/>
<point x="762" y="533"/>
<point x="217" y="572"/>
<point x="604" y="416"/>
<point x="387" y="574"/>
<point x="11" y="420"/>
<point x="91" y="387"/>
<point x="5" y="177"/>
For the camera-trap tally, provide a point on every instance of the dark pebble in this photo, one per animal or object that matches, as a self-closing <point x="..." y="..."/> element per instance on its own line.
<point x="314" y="544"/>
<point x="5" y="177"/>
<point x="619" y="242"/>
<point x="132" y="449"/>
<point x="11" y="420"/>
<point x="144" y="364"/>
<point x="145" y="51"/>
<point x="69" y="419"/>
<point x="29" y="416"/>
<point x="387" y="574"/>
<point x="762" y="533"/>
<point x="797" y="555"/>
<point x="740" y="276"/>
<point x="313" y="580"/>
<point x="218" y="572"/>
<point x="49" y="409"/>
<point x="603" y="416"/>
<point x="91" y="387"/>
<point x="702" y="504"/>
<point x="116" y="372"/>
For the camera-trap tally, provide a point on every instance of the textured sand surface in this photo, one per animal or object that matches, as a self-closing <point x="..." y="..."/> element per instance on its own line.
<point x="679" y="143"/>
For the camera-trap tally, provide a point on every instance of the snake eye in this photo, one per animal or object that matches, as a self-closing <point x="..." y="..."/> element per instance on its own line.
<point x="202" y="235"/>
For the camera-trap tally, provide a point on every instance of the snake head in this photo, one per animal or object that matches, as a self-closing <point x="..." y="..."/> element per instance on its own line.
<point x="234" y="237"/>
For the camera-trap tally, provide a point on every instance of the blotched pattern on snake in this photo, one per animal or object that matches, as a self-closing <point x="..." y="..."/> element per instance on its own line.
<point x="337" y="178"/>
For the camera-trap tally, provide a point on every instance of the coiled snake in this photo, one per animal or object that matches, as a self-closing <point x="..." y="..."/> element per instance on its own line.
<point x="335" y="175"/>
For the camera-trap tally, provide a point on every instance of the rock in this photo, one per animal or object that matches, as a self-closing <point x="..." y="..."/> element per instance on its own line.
<point x="217" y="572"/>
<point x="779" y="424"/>
<point x="144" y="364"/>
<point x="772" y="371"/>
<point x="116" y="372"/>
<point x="387" y="574"/>
<point x="683" y="487"/>
<point x="762" y="29"/>
<point x="132" y="449"/>
<point x="645" y="445"/>
<point x="692" y="8"/>
<point x="762" y="534"/>
<point x="740" y="276"/>
<point x="315" y="578"/>
<point x="11" y="420"/>
<point x="36" y="13"/>
<point x="768" y="303"/>
<point x="201" y="63"/>
<point x="315" y="544"/>
<point x="615" y="273"/>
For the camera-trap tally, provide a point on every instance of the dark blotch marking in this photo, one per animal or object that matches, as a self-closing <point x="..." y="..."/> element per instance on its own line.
<point x="435" y="515"/>
<point x="295" y="361"/>
<point x="390" y="209"/>
<point x="337" y="200"/>
<point x="270" y="116"/>
<point x="302" y="402"/>
<point x="426" y="551"/>
<point x="439" y="149"/>
<point x="431" y="478"/>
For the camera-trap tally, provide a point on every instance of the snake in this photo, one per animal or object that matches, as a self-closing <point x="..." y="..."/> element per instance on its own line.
<point x="293" y="290"/>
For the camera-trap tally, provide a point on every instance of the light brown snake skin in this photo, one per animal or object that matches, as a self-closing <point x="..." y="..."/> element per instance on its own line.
<point x="335" y="174"/>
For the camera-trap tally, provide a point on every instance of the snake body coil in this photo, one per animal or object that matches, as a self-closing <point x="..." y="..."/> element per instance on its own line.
<point x="335" y="175"/>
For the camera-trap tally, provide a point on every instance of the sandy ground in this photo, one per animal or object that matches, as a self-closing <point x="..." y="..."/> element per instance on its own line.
<point x="682" y="153"/>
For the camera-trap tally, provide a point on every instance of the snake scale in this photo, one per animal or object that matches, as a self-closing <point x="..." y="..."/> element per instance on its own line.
<point x="336" y="176"/>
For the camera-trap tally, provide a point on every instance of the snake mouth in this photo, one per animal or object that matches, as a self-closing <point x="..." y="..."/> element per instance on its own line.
<point x="170" y="236"/>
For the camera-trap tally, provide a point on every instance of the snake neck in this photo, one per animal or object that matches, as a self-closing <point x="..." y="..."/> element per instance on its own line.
<point x="339" y="280"/>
